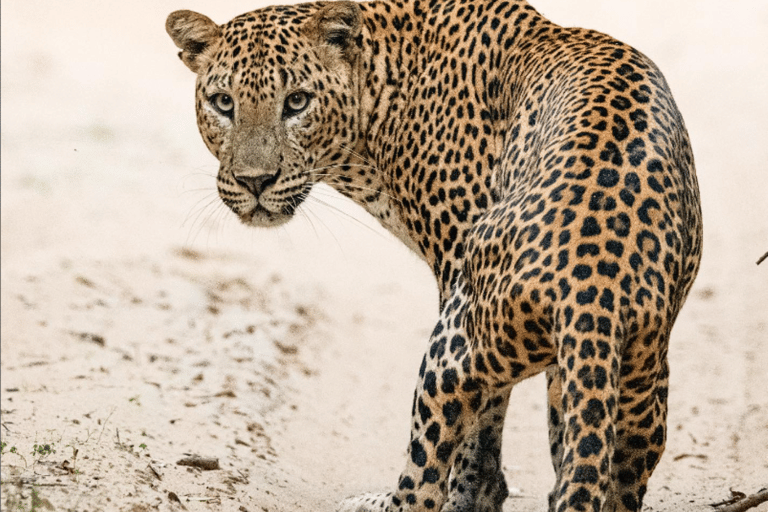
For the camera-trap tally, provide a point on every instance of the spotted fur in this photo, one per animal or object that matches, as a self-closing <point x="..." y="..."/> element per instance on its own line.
<point x="543" y="173"/>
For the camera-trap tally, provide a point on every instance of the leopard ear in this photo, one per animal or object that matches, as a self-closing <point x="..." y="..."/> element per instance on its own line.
<point x="193" y="33"/>
<point x="337" y="24"/>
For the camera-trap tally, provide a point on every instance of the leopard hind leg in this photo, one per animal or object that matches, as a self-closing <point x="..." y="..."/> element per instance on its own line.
<point x="641" y="422"/>
<point x="588" y="362"/>
<point x="556" y="426"/>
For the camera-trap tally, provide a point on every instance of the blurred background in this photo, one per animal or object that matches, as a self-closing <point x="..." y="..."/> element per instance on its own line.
<point x="101" y="160"/>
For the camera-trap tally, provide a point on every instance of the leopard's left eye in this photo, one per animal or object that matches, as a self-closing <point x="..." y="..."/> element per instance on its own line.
<point x="296" y="103"/>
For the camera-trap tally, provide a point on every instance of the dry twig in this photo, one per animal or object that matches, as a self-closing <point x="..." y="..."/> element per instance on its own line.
<point x="762" y="258"/>
<point x="174" y="497"/>
<point x="32" y="482"/>
<point x="196" y="461"/>
<point x="155" y="472"/>
<point x="740" y="502"/>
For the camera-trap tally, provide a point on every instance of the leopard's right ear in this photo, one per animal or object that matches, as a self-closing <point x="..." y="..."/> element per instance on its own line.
<point x="193" y="33"/>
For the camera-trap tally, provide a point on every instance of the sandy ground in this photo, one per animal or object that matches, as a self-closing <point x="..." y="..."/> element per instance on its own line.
<point x="141" y="322"/>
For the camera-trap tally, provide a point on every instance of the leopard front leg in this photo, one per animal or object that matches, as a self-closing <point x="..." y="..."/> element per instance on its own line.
<point x="477" y="483"/>
<point x="448" y="402"/>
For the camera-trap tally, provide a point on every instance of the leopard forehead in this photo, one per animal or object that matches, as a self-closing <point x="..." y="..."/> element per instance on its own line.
<point x="257" y="53"/>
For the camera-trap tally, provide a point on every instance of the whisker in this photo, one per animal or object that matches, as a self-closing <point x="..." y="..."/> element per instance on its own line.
<point x="219" y="220"/>
<point x="305" y="195"/>
<point x="181" y="183"/>
<point x="197" y="209"/>
<point x="199" y="221"/>
<point x="210" y="222"/>
<point x="227" y="218"/>
<point x="205" y="190"/>
<point x="355" y="185"/>
<point x="304" y="214"/>
<point x="358" y="155"/>
<point x="200" y="172"/>
<point x="366" y="189"/>
<point x="341" y="165"/>
<point x="329" y="230"/>
<point x="344" y="214"/>
<point x="361" y="187"/>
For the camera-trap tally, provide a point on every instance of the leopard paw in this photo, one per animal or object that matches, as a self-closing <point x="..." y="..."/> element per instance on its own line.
<point x="369" y="502"/>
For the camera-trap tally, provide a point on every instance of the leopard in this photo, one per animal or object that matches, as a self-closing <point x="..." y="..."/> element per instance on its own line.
<point x="543" y="173"/>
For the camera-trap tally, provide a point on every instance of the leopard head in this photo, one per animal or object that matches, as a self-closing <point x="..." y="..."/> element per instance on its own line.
<point x="276" y="100"/>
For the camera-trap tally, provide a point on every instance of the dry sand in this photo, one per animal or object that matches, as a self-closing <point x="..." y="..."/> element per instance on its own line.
<point x="141" y="322"/>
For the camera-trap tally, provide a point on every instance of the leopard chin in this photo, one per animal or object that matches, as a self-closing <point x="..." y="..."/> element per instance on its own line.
<point x="260" y="217"/>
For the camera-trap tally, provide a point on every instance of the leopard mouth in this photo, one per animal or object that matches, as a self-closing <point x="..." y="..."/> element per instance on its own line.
<point x="260" y="216"/>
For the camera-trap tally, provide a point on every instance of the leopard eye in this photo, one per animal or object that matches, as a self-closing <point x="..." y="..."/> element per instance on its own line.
<point x="223" y="103"/>
<point x="296" y="103"/>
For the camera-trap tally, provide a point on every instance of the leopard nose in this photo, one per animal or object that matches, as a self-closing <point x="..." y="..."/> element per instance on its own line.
<point x="256" y="184"/>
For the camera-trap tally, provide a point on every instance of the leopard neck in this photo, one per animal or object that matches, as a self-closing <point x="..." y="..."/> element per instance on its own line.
<point x="403" y="40"/>
<point x="387" y="62"/>
<point x="407" y="51"/>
